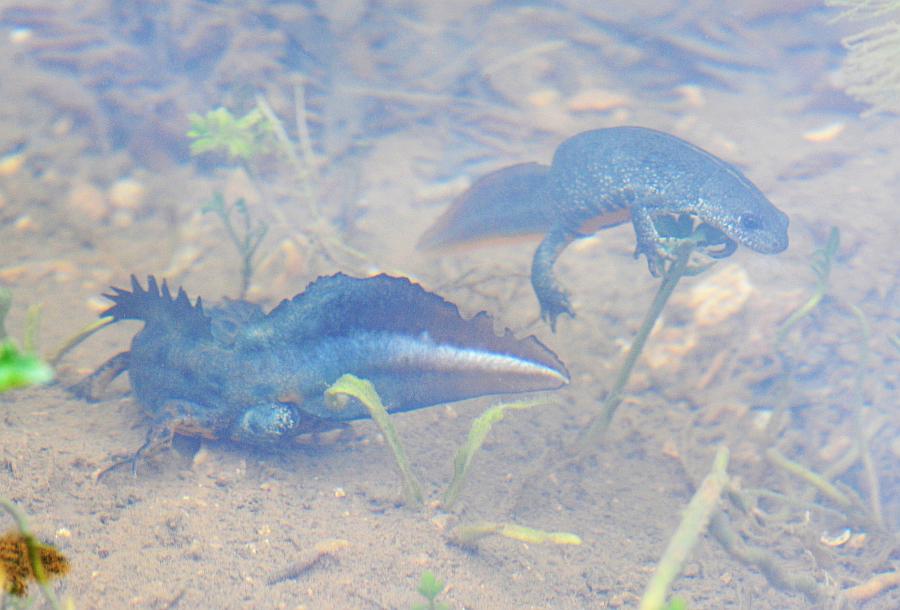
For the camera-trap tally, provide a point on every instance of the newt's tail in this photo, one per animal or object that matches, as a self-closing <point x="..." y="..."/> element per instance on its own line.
<point x="506" y="203"/>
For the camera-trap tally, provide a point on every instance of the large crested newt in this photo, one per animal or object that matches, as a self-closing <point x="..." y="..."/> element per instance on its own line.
<point x="235" y="372"/>
<point x="604" y="178"/>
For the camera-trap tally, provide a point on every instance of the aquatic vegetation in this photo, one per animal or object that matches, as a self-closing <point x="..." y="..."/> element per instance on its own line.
<point x="20" y="368"/>
<point x="468" y="535"/>
<point x="869" y="72"/>
<point x="479" y="431"/>
<point x="351" y="387"/>
<point x="430" y="586"/>
<point x="24" y="558"/>
<point x="681" y="237"/>
<point x="821" y="266"/>
<point x="693" y="523"/>
<point x="219" y="131"/>
<point x="829" y="496"/>
<point x="247" y="241"/>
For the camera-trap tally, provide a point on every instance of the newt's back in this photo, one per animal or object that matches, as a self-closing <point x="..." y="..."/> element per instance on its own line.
<point x="598" y="174"/>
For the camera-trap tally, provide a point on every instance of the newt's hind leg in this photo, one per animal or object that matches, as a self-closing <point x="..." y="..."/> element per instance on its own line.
<point x="553" y="300"/>
<point x="91" y="387"/>
<point x="175" y="417"/>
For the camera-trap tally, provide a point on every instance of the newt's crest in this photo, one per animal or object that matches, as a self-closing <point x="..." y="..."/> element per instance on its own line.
<point x="238" y="373"/>
<point x="156" y="306"/>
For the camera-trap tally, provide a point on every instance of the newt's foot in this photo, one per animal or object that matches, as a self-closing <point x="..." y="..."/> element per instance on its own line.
<point x="658" y="255"/>
<point x="158" y="439"/>
<point x="553" y="304"/>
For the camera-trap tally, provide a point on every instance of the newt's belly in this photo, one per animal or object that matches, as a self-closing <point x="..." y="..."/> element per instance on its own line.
<point x="604" y="220"/>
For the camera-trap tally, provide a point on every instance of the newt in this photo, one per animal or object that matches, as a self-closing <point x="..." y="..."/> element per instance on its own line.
<point x="604" y="178"/>
<point x="235" y="372"/>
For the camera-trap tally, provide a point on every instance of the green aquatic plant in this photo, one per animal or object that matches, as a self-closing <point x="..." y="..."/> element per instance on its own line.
<point x="219" y="131"/>
<point x="478" y="432"/>
<point x="246" y="239"/>
<point x="20" y="368"/>
<point x="468" y="535"/>
<point x="681" y="238"/>
<point x="822" y="260"/>
<point x="869" y="72"/>
<point x="430" y="586"/>
<point x="349" y="387"/>
<point x="5" y="304"/>
<point x="693" y="524"/>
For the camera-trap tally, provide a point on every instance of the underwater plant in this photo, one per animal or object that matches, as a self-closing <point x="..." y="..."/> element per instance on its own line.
<point x="350" y="387"/>
<point x="681" y="238"/>
<point x="247" y="242"/>
<point x="219" y="131"/>
<point x="869" y="72"/>
<point x="694" y="522"/>
<point x="20" y="368"/>
<point x="468" y="535"/>
<point x="429" y="588"/>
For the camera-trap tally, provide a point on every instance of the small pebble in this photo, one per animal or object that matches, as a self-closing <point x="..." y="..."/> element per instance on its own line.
<point x="597" y="100"/>
<point x="24" y="224"/>
<point x="542" y="98"/>
<point x="87" y="201"/>
<point x="11" y="164"/>
<point x="826" y="133"/>
<point x="127" y="194"/>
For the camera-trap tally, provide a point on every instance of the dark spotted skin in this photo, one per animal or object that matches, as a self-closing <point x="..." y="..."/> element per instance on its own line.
<point x="606" y="177"/>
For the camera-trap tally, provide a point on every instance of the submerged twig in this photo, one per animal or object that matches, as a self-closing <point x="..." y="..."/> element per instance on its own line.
<point x="777" y="575"/>
<point x="816" y="480"/>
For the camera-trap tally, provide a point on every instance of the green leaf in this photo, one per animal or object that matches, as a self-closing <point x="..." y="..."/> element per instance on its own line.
<point x="478" y="432"/>
<point x="429" y="585"/>
<point x="18" y="370"/>
<point x="220" y="131"/>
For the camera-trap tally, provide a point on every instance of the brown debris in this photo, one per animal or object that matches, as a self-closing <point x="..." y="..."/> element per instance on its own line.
<point x="16" y="565"/>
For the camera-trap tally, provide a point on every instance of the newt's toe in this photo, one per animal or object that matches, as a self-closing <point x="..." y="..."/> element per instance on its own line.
<point x="556" y="304"/>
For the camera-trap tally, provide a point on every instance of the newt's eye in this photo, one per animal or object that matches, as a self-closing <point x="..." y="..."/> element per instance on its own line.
<point x="749" y="222"/>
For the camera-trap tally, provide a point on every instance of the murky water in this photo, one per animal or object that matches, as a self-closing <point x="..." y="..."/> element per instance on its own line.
<point x="350" y="127"/>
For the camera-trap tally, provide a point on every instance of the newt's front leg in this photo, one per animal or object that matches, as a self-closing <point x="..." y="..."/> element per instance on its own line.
<point x="174" y="417"/>
<point x="553" y="300"/>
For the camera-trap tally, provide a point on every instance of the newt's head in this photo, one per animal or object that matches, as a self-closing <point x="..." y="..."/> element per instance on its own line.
<point x="732" y="204"/>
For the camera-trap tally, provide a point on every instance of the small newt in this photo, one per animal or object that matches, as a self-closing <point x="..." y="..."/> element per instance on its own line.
<point x="601" y="179"/>
<point x="238" y="373"/>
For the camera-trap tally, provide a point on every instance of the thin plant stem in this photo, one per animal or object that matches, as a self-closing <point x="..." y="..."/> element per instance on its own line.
<point x="77" y="338"/>
<point x="693" y="524"/>
<point x="862" y="441"/>
<point x="614" y="398"/>
<point x="827" y="488"/>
